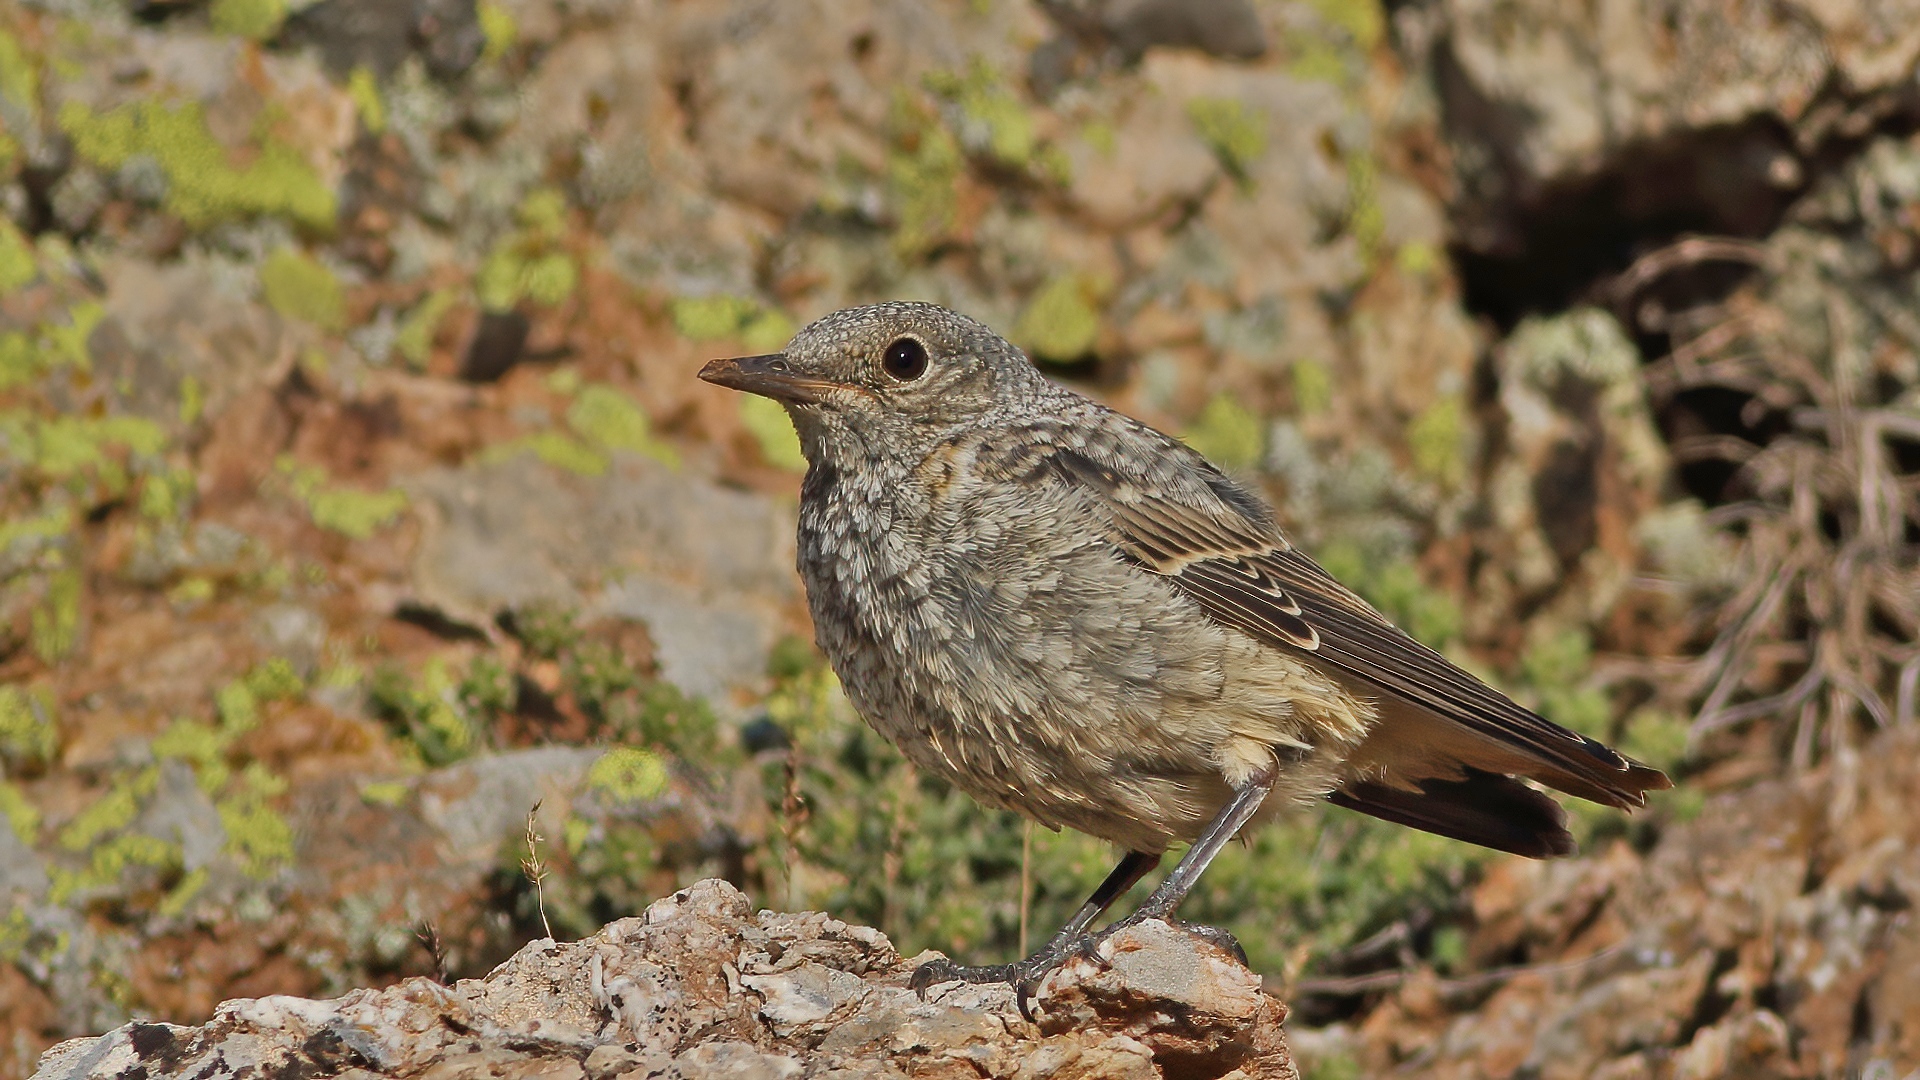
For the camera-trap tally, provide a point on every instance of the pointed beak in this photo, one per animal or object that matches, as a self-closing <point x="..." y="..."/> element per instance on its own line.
<point x="769" y="376"/>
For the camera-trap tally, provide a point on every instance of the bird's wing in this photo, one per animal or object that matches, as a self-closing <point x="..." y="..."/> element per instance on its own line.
<point x="1243" y="573"/>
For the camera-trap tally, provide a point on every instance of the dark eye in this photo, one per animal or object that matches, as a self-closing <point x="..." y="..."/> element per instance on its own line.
<point x="906" y="359"/>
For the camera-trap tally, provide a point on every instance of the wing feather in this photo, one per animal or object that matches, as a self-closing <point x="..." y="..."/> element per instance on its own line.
<point x="1243" y="573"/>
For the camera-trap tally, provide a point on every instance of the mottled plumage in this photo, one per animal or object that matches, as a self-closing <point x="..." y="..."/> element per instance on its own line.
<point x="1068" y="614"/>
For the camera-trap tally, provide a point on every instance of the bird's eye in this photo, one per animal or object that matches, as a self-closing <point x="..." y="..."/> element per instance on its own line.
<point x="905" y="359"/>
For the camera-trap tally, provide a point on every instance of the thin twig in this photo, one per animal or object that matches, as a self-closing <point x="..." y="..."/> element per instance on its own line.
<point x="536" y="869"/>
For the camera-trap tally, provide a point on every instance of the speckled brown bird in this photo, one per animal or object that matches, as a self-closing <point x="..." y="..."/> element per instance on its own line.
<point x="1068" y="614"/>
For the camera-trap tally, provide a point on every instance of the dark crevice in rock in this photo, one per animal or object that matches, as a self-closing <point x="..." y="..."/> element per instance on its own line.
<point x="1555" y="247"/>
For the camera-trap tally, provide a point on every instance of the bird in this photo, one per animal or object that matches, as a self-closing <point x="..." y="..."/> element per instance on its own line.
<point x="1066" y="613"/>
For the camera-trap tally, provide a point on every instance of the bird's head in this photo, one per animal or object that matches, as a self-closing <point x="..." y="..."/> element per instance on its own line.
<point x="888" y="381"/>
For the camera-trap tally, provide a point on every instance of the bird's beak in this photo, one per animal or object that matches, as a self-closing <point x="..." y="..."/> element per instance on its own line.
<point x="769" y="376"/>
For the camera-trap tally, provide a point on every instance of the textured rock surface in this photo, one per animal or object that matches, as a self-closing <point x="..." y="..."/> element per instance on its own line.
<point x="701" y="986"/>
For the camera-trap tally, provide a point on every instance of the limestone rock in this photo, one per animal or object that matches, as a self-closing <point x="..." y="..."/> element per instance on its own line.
<point x="702" y="986"/>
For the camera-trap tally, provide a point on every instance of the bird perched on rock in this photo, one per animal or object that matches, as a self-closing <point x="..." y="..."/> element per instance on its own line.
<point x="1068" y="614"/>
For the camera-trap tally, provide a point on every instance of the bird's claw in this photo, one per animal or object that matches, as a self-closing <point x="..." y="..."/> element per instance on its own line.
<point x="934" y="972"/>
<point x="1025" y="977"/>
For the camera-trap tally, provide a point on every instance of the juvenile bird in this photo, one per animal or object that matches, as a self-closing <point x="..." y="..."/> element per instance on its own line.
<point x="1068" y="614"/>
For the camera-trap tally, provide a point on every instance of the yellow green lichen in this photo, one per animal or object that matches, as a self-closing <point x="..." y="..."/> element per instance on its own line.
<point x="297" y="286"/>
<point x="193" y="399"/>
<point x="276" y="680"/>
<point x="1312" y="387"/>
<point x="163" y="495"/>
<point x="364" y="89"/>
<point x="387" y="793"/>
<point x="108" y="860"/>
<point x="1233" y="130"/>
<point x="205" y="187"/>
<point x="1417" y="258"/>
<point x="201" y="745"/>
<point x="1059" y="322"/>
<point x="984" y="100"/>
<point x="175" y="902"/>
<point x="22" y="816"/>
<point x="923" y="174"/>
<point x="425" y="712"/>
<point x="28" y="732"/>
<point x="627" y="774"/>
<point x="351" y="512"/>
<point x="556" y="448"/>
<point x="257" y="833"/>
<point x="110" y="813"/>
<point x="17" y="264"/>
<point x="528" y="263"/>
<point x="56" y="619"/>
<point x="1228" y="433"/>
<point x="191" y="591"/>
<point x="19" y="75"/>
<point x="256" y="20"/>
<point x="735" y="318"/>
<point x="1363" y="21"/>
<point x="20" y="537"/>
<point x="769" y="425"/>
<point x="498" y="27"/>
<point x="237" y="706"/>
<point x="1437" y="438"/>
<point x="610" y="420"/>
<point x="414" y="340"/>
<point x="1101" y="135"/>
<point x="1366" y="218"/>
<point x="356" y="514"/>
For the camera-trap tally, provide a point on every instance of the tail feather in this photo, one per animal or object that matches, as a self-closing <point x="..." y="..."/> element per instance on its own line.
<point x="1483" y="808"/>
<point x="1423" y="770"/>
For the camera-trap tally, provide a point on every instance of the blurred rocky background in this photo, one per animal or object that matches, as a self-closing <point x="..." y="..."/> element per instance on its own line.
<point x="378" y="588"/>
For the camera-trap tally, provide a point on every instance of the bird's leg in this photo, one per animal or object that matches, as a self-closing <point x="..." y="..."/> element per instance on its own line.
<point x="1133" y="866"/>
<point x="1247" y="797"/>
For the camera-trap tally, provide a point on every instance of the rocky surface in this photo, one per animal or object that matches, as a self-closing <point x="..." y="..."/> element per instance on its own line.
<point x="701" y="986"/>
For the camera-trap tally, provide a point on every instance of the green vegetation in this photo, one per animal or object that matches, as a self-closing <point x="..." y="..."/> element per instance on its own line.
<point x="1006" y="129"/>
<point x="426" y="712"/>
<point x="1396" y="588"/>
<point x="1060" y="322"/>
<point x="1437" y="439"/>
<point x="414" y="341"/>
<point x="205" y="187"/>
<point x="924" y="164"/>
<point x="297" y="286"/>
<point x="29" y="734"/>
<point x="531" y="262"/>
<point x="56" y="619"/>
<point x="604" y="420"/>
<point x="1228" y="434"/>
<point x="254" y="19"/>
<point x="1312" y="387"/>
<point x="1233" y="130"/>
<point x="351" y="512"/>
<point x="626" y="774"/>
<point x="499" y="27"/>
<point x="17" y="266"/>
<point x="770" y="426"/>
<point x="364" y="88"/>
<point x="723" y="317"/>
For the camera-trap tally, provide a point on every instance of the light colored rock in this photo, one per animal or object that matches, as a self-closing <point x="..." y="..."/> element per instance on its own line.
<point x="732" y="994"/>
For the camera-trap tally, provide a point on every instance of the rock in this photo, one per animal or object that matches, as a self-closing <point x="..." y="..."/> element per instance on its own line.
<point x="379" y="35"/>
<point x="1543" y="98"/>
<point x="701" y="986"/>
<point x="705" y="568"/>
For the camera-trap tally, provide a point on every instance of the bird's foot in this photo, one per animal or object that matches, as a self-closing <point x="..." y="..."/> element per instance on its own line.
<point x="1024" y="976"/>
